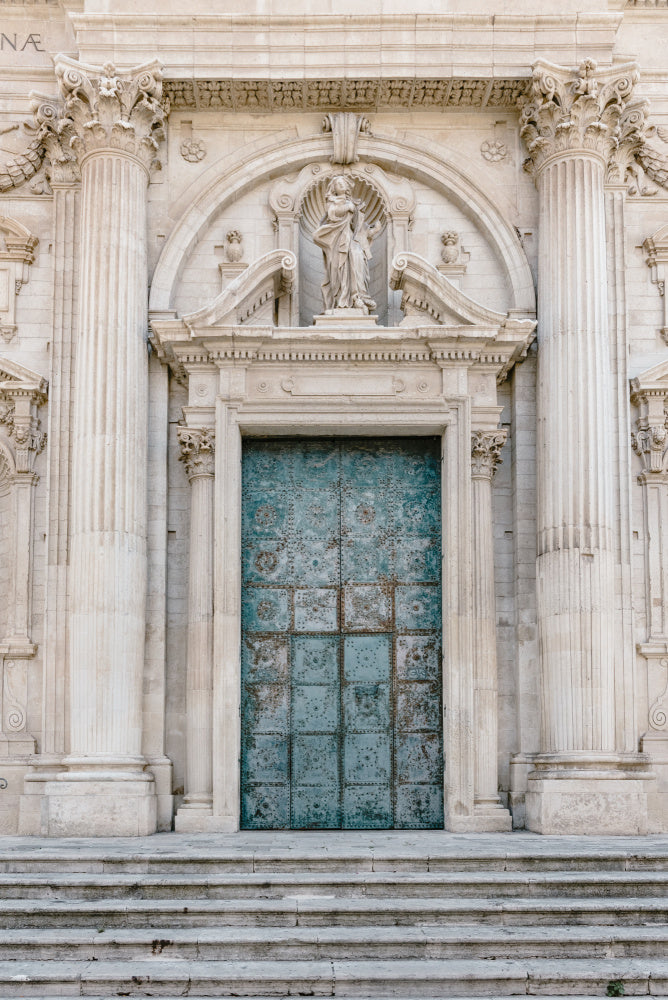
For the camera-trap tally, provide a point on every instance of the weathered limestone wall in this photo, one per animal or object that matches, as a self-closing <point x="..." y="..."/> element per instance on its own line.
<point x="480" y="139"/>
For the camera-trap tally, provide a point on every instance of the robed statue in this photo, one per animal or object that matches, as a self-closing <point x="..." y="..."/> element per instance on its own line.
<point x="345" y="237"/>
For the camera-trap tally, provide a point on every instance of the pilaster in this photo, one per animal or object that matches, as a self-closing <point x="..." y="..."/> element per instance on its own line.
<point x="198" y="454"/>
<point x="485" y="457"/>
<point x="571" y="125"/>
<point x="113" y="122"/>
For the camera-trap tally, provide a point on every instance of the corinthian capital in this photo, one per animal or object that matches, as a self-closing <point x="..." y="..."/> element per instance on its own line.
<point x="579" y="110"/>
<point x="106" y="109"/>
<point x="197" y="450"/>
<point x="486" y="452"/>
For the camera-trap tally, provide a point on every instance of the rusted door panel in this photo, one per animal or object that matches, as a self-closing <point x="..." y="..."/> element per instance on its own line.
<point x="341" y="619"/>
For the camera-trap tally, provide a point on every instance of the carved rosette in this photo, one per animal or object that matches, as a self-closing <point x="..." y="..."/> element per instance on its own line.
<point x="486" y="453"/>
<point x="101" y="109"/>
<point x="585" y="110"/>
<point x="197" y="450"/>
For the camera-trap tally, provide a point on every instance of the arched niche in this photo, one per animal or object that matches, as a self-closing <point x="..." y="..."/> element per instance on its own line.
<point x="289" y="159"/>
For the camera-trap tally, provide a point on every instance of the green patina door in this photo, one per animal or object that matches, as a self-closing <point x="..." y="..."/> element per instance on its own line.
<point x="341" y="634"/>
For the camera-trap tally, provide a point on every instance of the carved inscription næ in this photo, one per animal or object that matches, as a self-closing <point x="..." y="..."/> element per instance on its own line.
<point x="19" y="42"/>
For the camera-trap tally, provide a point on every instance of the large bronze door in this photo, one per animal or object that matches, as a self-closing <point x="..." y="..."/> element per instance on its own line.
<point x="341" y="634"/>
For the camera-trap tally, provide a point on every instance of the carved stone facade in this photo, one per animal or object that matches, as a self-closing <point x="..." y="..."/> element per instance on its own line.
<point x="495" y="244"/>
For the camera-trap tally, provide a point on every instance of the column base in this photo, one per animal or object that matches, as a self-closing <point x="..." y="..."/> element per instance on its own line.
<point x="100" y="804"/>
<point x="194" y="817"/>
<point x="597" y="795"/>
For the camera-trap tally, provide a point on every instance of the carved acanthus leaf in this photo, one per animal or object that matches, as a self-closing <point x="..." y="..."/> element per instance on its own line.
<point x="486" y="452"/>
<point x="108" y="109"/>
<point x="197" y="450"/>
<point x="23" y="166"/>
<point x="579" y="110"/>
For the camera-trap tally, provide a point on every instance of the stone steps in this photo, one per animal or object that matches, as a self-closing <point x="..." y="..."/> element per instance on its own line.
<point x="335" y="943"/>
<point x="332" y="911"/>
<point x="416" y="916"/>
<point x="423" y="978"/>
<point x="248" y="885"/>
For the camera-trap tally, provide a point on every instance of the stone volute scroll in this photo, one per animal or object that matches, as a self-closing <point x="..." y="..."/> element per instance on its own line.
<point x="346" y="128"/>
<point x="344" y="236"/>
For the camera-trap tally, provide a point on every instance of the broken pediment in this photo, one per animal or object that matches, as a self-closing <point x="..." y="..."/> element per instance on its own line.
<point x="252" y="298"/>
<point x="429" y="296"/>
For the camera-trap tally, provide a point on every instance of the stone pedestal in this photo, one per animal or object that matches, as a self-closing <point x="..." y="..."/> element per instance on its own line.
<point x="115" y="122"/>
<point x="586" y="781"/>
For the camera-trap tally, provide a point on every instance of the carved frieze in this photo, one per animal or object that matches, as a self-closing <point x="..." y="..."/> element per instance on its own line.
<point x="343" y="95"/>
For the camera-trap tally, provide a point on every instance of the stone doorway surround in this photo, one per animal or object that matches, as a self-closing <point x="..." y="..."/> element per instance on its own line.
<point x="343" y="376"/>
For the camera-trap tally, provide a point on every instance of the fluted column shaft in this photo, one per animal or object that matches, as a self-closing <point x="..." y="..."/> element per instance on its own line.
<point x="198" y="454"/>
<point x="575" y="460"/>
<point x="109" y="446"/>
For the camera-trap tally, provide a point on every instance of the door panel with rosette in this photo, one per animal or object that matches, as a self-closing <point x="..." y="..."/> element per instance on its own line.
<point x="341" y="634"/>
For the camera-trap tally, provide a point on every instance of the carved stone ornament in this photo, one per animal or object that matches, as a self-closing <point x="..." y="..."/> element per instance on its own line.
<point x="197" y="450"/>
<point x="22" y="392"/>
<point x="345" y="240"/>
<point x="486" y="452"/>
<point x="649" y="392"/>
<point x="581" y="110"/>
<point x="493" y="150"/>
<point x="16" y="256"/>
<point x="234" y="250"/>
<point x="193" y="150"/>
<point x="102" y="108"/>
<point x="346" y="128"/>
<point x="450" y="251"/>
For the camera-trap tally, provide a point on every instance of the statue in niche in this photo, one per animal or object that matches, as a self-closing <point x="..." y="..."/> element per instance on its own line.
<point x="345" y="237"/>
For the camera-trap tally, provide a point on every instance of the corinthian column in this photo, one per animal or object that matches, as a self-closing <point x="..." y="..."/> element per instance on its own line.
<point x="485" y="456"/>
<point x="114" y="124"/>
<point x="581" y="780"/>
<point x="197" y="453"/>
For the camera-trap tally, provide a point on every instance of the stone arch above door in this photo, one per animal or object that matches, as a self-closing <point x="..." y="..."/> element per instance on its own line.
<point x="237" y="175"/>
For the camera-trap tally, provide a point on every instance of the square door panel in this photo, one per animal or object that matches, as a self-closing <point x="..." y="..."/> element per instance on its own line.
<point x="315" y="659"/>
<point x="315" y="561"/>
<point x="418" y="657"/>
<point x="420" y="758"/>
<point x="315" y="808"/>
<point x="264" y="659"/>
<point x="367" y="658"/>
<point x="367" y="807"/>
<point x="419" y="807"/>
<point x="265" y="807"/>
<point x="417" y="608"/>
<point x="366" y="559"/>
<point x="367" y="608"/>
<point x="315" y="514"/>
<point x="367" y="758"/>
<point x="265" y="708"/>
<point x="366" y="707"/>
<point x="266" y="609"/>
<point x="316" y="610"/>
<point x="266" y="561"/>
<point x="315" y="708"/>
<point x="266" y="758"/>
<point x="418" y="706"/>
<point x="266" y="516"/>
<point x="315" y="760"/>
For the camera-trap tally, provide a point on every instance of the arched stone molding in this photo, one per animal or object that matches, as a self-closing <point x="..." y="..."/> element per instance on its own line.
<point x="231" y="178"/>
